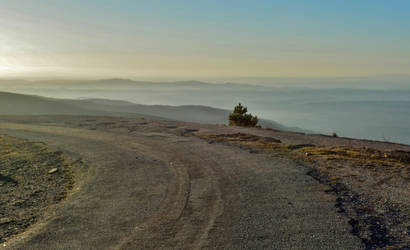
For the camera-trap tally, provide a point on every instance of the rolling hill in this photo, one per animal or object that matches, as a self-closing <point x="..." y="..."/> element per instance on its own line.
<point x="18" y="104"/>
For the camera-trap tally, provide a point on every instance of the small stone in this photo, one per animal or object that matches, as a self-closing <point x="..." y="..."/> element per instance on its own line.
<point x="5" y="220"/>
<point x="53" y="170"/>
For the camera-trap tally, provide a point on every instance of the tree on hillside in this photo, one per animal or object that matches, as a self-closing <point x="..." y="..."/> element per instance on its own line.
<point x="239" y="117"/>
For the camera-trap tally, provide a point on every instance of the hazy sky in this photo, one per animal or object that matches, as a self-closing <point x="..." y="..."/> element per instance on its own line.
<point x="208" y="38"/>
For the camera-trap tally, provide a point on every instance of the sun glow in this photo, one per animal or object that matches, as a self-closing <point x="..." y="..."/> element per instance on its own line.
<point x="5" y="69"/>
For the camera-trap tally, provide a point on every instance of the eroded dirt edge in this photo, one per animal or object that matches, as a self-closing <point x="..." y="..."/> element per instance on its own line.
<point x="32" y="178"/>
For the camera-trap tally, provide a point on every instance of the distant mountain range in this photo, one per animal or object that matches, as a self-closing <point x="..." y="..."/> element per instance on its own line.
<point x="371" y="82"/>
<point x="368" y="108"/>
<point x="18" y="104"/>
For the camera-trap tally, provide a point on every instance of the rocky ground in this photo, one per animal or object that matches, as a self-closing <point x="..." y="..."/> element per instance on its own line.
<point x="156" y="184"/>
<point x="373" y="186"/>
<point x="32" y="178"/>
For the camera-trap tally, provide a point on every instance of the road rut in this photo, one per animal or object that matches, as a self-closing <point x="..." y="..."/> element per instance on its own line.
<point x="145" y="190"/>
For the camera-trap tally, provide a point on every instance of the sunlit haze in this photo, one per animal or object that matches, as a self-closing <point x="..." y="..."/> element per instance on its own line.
<point x="204" y="124"/>
<point x="203" y="39"/>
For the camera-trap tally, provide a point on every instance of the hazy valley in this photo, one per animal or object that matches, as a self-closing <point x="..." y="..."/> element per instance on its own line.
<point x="357" y="112"/>
<point x="268" y="124"/>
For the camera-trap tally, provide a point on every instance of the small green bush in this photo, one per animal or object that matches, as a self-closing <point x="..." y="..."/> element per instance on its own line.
<point x="239" y="117"/>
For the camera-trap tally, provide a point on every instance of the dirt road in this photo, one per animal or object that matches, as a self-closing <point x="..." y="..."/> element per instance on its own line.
<point x="150" y="189"/>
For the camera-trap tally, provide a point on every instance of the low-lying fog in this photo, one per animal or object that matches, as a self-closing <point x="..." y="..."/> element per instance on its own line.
<point x="380" y="114"/>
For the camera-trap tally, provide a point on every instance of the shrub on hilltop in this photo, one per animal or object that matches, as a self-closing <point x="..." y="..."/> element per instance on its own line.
<point x="239" y="117"/>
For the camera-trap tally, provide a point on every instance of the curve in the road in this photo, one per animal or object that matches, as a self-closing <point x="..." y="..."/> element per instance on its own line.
<point x="158" y="190"/>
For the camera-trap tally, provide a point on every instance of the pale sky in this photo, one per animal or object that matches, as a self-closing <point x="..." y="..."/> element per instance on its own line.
<point x="203" y="39"/>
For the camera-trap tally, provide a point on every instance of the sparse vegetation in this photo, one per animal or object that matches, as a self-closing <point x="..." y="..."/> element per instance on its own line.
<point x="239" y="117"/>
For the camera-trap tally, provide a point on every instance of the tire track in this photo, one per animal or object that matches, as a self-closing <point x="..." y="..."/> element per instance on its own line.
<point x="170" y="211"/>
<point x="185" y="195"/>
<point x="176" y="201"/>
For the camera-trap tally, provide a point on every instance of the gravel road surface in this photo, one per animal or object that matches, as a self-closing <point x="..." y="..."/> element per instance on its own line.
<point x="151" y="189"/>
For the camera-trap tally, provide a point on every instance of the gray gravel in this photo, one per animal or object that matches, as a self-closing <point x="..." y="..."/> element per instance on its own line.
<point x="150" y="189"/>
